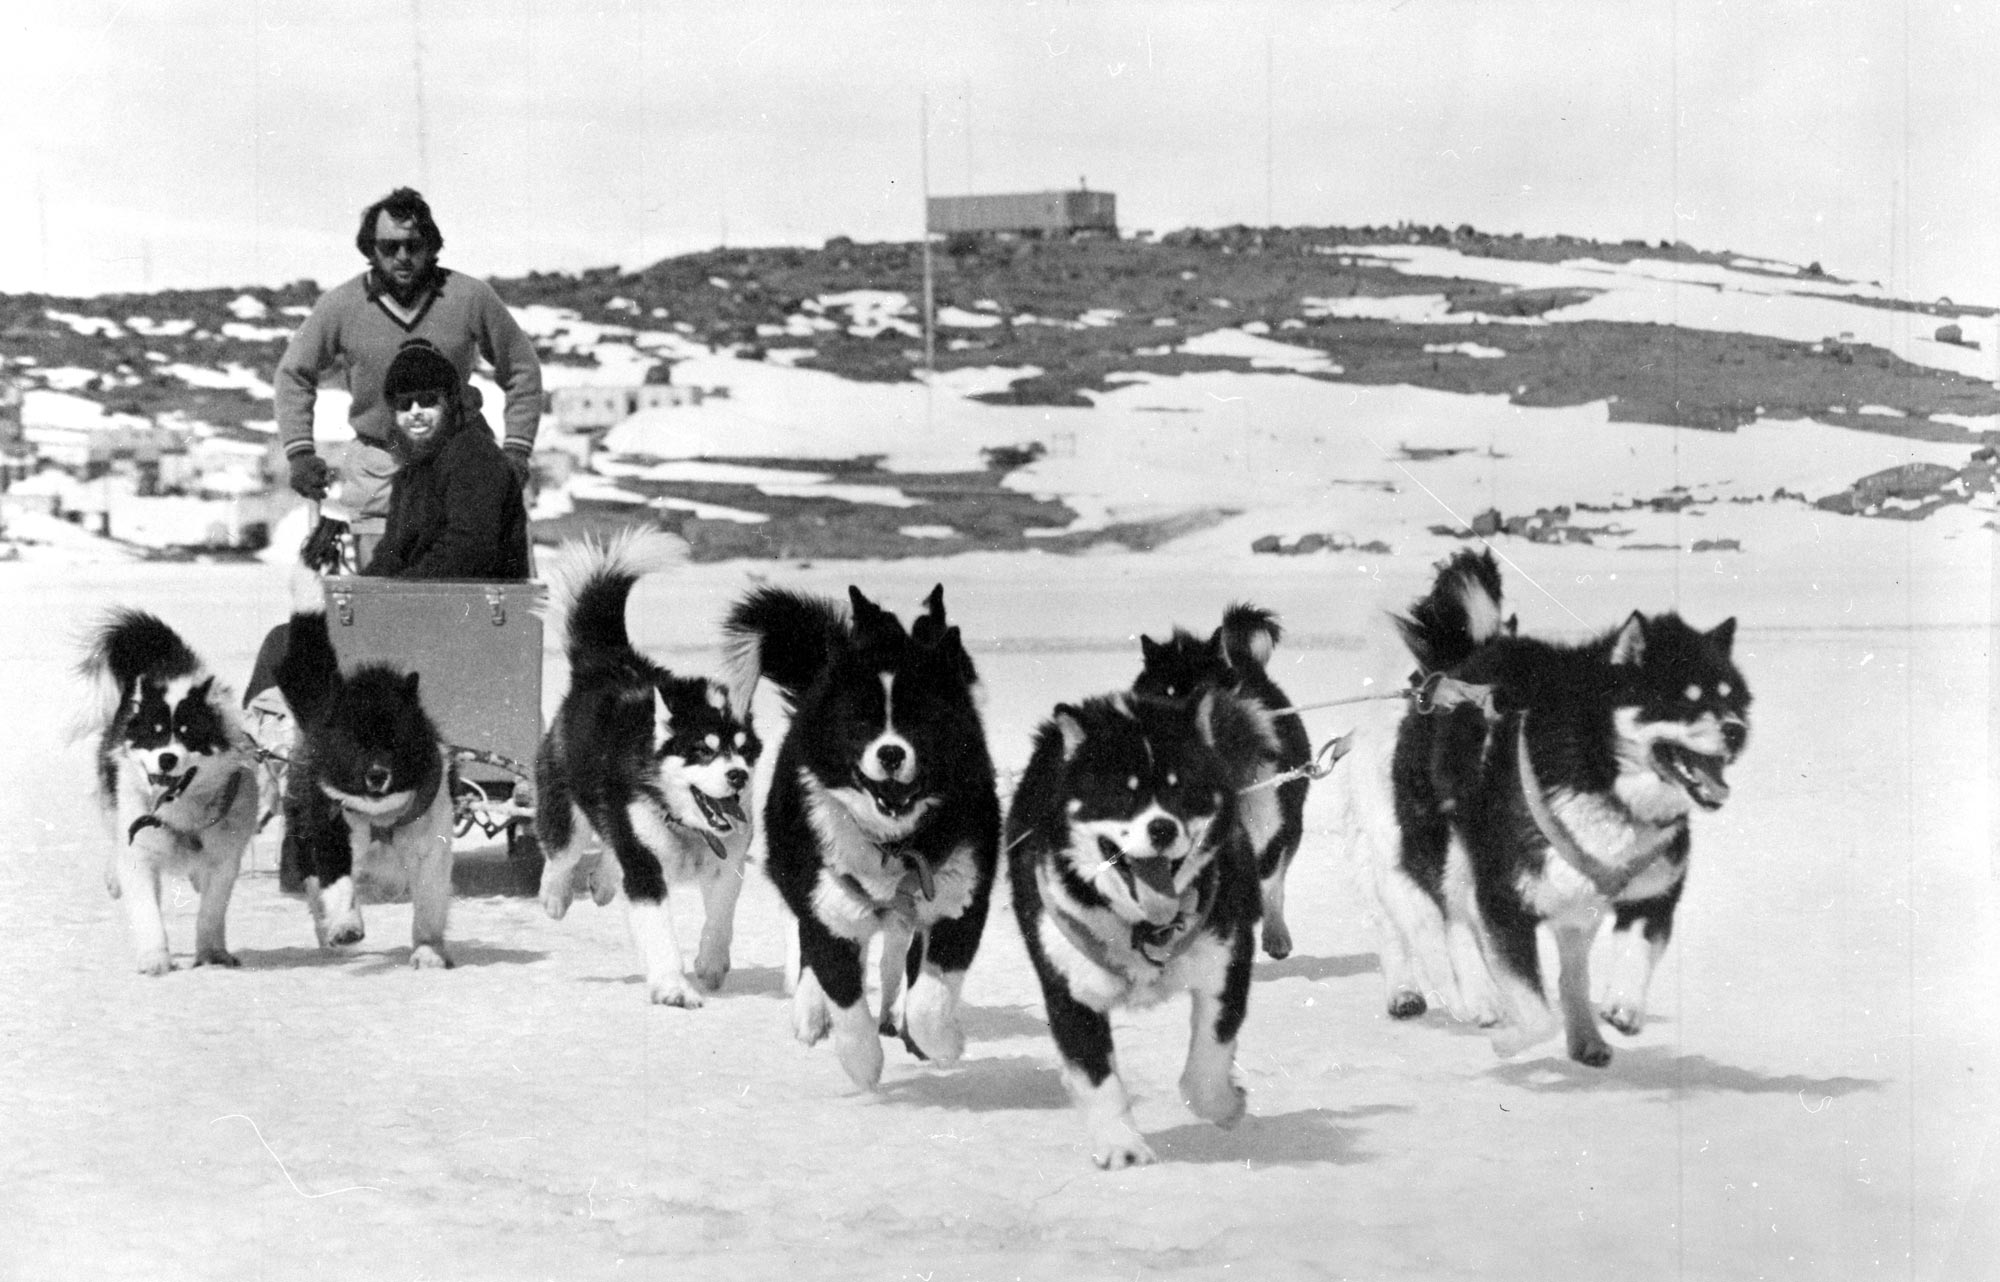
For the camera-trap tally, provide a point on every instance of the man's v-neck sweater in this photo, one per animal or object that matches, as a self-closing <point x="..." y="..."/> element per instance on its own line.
<point x="356" y="328"/>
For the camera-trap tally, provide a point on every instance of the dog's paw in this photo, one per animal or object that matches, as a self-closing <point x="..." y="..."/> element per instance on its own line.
<point x="861" y="1057"/>
<point x="555" y="902"/>
<point x="810" y="1020"/>
<point x="662" y="993"/>
<point x="1120" y="1146"/>
<point x="1626" y="1019"/>
<point x="603" y="888"/>
<point x="1510" y="1040"/>
<point x="1277" y="940"/>
<point x="935" y="1033"/>
<point x="1407" y="1003"/>
<point x="709" y="973"/>
<point x="343" y="934"/>
<point x="216" y="957"/>
<point x="155" y="964"/>
<point x="1217" y="1100"/>
<point x="428" y="957"/>
<point x="1588" y="1049"/>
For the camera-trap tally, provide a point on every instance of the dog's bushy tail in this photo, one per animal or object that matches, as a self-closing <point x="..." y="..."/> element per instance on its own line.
<point x="309" y="674"/>
<point x="590" y="581"/>
<point x="126" y="645"/>
<point x="780" y="636"/>
<point x="1461" y="613"/>
<point x="1249" y="634"/>
<point x="129" y="644"/>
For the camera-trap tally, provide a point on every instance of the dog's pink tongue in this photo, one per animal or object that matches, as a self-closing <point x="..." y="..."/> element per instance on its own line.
<point x="1707" y="785"/>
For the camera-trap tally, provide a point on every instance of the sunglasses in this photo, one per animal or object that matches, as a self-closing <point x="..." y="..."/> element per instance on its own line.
<point x="392" y="248"/>
<point x="415" y="400"/>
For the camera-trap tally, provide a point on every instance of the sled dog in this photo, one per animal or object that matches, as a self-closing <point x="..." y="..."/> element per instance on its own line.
<point x="1562" y="800"/>
<point x="882" y="816"/>
<point x="653" y="764"/>
<point x="176" y="781"/>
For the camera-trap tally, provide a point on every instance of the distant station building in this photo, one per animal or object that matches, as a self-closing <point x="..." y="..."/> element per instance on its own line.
<point x="1046" y="214"/>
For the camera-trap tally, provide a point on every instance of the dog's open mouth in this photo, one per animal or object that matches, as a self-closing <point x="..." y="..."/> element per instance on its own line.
<point x="893" y="799"/>
<point x="166" y="785"/>
<point x="1698" y="775"/>
<point x="722" y="814"/>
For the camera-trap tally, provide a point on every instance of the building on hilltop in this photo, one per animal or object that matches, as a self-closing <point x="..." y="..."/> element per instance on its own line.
<point x="586" y="409"/>
<point x="1047" y="214"/>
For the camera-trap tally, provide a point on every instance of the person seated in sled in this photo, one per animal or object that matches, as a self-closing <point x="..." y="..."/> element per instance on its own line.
<point x="455" y="512"/>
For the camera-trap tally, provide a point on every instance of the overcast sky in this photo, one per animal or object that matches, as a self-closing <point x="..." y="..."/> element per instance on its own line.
<point x="226" y="142"/>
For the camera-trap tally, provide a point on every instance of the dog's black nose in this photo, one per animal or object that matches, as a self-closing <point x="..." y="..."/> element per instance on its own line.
<point x="1161" y="832"/>
<point x="167" y="762"/>
<point x="737" y="778"/>
<point x="377" y="778"/>
<point x="1734" y="735"/>
<point x="891" y="756"/>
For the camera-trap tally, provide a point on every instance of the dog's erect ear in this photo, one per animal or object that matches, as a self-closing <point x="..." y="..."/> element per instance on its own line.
<point x="1513" y="625"/>
<point x="1149" y="649"/>
<point x="1069" y="723"/>
<point x="1723" y="635"/>
<point x="663" y="717"/>
<point x="1630" y="646"/>
<point x="934" y="605"/>
<point x="410" y="686"/>
<point x="866" y="612"/>
<point x="200" y="693"/>
<point x="871" y="621"/>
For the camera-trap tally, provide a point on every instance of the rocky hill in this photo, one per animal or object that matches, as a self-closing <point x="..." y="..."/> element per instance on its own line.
<point x="1073" y="316"/>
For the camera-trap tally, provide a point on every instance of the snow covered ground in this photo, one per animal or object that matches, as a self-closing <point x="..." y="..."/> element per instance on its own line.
<point x="1814" y="1097"/>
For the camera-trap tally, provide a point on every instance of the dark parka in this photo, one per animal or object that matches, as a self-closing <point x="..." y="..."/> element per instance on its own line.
<point x="455" y="511"/>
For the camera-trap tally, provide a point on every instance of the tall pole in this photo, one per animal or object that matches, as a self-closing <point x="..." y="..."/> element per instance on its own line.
<point x="417" y="57"/>
<point x="1269" y="162"/>
<point x="924" y="167"/>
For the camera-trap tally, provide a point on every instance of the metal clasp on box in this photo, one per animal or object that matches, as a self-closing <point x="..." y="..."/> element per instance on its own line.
<point x="496" y="600"/>
<point x="343" y="606"/>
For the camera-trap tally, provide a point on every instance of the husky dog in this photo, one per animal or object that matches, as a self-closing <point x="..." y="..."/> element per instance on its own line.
<point x="882" y="816"/>
<point x="1133" y="878"/>
<point x="1232" y="661"/>
<point x="657" y="766"/>
<point x="1563" y="799"/>
<point x="176" y="781"/>
<point x="369" y="792"/>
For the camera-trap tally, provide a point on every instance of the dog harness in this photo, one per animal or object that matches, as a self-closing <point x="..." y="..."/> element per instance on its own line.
<point x="191" y="837"/>
<point x="918" y="879"/>
<point x="1156" y="946"/>
<point x="420" y="801"/>
<point x="1611" y="879"/>
<point x="714" y="842"/>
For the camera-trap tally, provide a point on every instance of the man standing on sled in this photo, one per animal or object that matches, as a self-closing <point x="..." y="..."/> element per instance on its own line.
<point x="357" y="328"/>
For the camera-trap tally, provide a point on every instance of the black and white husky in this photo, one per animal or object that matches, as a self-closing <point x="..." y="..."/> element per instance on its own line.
<point x="1133" y="879"/>
<point x="882" y="816"/>
<point x="655" y="765"/>
<point x="1563" y="799"/>
<point x="369" y="791"/>
<point x="176" y="781"/>
<point x="1233" y="661"/>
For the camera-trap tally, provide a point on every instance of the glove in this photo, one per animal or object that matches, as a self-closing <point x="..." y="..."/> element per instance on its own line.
<point x="321" y="549"/>
<point x="518" y="460"/>
<point x="311" y="477"/>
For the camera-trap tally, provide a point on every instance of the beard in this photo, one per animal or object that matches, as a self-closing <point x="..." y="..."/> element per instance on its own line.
<point x="410" y="450"/>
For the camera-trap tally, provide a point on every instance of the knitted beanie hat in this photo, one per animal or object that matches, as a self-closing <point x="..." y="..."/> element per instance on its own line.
<point x="419" y="367"/>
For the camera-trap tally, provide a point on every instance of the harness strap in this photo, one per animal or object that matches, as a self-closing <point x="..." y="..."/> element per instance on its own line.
<point x="152" y="819"/>
<point x="417" y="805"/>
<point x="1175" y="937"/>
<point x="1610" y="880"/>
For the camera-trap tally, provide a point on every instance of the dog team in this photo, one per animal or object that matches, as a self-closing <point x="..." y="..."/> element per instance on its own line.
<point x="1518" y="783"/>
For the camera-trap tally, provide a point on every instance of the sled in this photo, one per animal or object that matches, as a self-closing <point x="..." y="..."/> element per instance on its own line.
<point x="476" y="648"/>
